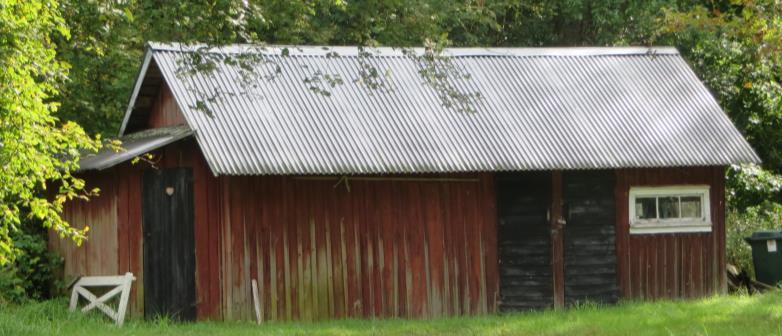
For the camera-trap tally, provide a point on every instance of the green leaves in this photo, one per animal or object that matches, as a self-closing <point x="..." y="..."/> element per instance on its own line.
<point x="736" y="48"/>
<point x="37" y="149"/>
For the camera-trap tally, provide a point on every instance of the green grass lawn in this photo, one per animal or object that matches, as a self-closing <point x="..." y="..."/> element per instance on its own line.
<point x="723" y="315"/>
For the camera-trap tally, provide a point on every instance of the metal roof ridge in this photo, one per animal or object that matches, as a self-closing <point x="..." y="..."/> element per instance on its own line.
<point x="352" y="51"/>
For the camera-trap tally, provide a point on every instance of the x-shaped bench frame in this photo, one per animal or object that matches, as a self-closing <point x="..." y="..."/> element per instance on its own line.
<point x="121" y="284"/>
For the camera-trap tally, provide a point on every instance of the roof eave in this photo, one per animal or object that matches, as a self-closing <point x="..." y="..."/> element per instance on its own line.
<point x="123" y="156"/>
<point x="350" y="51"/>
<point x="136" y="88"/>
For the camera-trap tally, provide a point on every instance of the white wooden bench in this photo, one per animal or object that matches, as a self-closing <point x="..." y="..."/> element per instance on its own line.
<point x="121" y="284"/>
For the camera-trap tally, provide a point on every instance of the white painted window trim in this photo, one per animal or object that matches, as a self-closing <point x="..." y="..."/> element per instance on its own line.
<point x="678" y="225"/>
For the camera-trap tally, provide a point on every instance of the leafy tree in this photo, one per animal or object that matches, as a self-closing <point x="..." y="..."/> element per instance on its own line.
<point x="34" y="147"/>
<point x="736" y="48"/>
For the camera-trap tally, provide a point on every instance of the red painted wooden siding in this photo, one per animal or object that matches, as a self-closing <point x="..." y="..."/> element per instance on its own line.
<point x="384" y="248"/>
<point x="129" y="234"/>
<point x="671" y="265"/>
<point x="165" y="111"/>
<point x="98" y="254"/>
<point x="114" y="241"/>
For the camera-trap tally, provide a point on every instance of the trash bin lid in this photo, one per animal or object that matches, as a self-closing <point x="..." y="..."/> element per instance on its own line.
<point x="766" y="235"/>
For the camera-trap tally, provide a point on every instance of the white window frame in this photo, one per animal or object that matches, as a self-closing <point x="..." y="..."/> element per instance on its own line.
<point x="674" y="225"/>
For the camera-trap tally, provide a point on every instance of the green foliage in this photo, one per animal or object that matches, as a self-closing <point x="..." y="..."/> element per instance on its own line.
<point x="741" y="224"/>
<point x="736" y="49"/>
<point x="34" y="147"/>
<point x="753" y="199"/>
<point x="31" y="276"/>
<point x="752" y="186"/>
<point x="720" y="315"/>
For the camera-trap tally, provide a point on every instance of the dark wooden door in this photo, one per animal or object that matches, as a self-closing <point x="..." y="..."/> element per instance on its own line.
<point x="169" y="253"/>
<point x="589" y="239"/>
<point x="524" y="239"/>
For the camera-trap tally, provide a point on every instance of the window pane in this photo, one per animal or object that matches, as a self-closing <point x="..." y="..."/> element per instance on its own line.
<point x="669" y="207"/>
<point x="691" y="207"/>
<point x="645" y="208"/>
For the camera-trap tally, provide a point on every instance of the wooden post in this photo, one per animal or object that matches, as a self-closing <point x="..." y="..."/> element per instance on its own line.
<point x="557" y="240"/>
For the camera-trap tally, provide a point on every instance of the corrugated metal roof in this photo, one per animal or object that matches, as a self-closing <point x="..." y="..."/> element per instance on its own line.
<point x="541" y="109"/>
<point x="134" y="145"/>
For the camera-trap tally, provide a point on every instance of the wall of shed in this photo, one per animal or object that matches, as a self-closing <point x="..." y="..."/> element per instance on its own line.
<point x="383" y="248"/>
<point x="98" y="254"/>
<point x="114" y="241"/>
<point x="681" y="265"/>
<point x="165" y="111"/>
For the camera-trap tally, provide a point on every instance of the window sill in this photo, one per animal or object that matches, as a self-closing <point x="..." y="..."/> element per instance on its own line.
<point x="669" y="228"/>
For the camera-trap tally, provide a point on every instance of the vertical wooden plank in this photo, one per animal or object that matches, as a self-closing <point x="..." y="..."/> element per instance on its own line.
<point x="290" y="250"/>
<point x="436" y="246"/>
<point x="448" y="248"/>
<point x="201" y="230"/>
<point x="276" y="238"/>
<point x="557" y="244"/>
<point x="228" y="250"/>
<point x="215" y="247"/>
<point x="135" y="241"/>
<point x="333" y="261"/>
<point x="288" y="256"/>
<point x="370" y="227"/>
<point x="622" y="228"/>
<point x="123" y="252"/>
<point x="718" y="218"/>
<point x="352" y="272"/>
<point x="490" y="236"/>
<point x="676" y="265"/>
<point x="460" y="283"/>
<point x="301" y="291"/>
<point x="384" y="246"/>
<point x="472" y="227"/>
<point x="401" y="251"/>
<point x="238" y="250"/>
<point x="252" y="214"/>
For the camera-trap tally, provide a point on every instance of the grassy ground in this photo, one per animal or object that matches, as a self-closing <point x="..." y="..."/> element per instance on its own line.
<point x="725" y="315"/>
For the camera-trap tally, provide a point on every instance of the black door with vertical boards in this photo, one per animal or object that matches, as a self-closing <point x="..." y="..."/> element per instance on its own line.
<point x="169" y="247"/>
<point x="524" y="241"/>
<point x="590" y="239"/>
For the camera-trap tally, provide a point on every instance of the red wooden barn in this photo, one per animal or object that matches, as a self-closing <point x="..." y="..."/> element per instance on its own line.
<point x="349" y="183"/>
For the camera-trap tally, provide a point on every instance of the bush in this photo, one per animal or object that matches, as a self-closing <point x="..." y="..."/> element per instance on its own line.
<point x="31" y="275"/>
<point x="752" y="186"/>
<point x="739" y="225"/>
